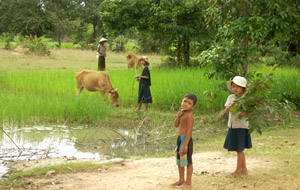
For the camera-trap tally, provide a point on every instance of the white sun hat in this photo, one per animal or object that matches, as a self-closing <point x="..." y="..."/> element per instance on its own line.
<point x="102" y="40"/>
<point x="238" y="80"/>
<point x="144" y="57"/>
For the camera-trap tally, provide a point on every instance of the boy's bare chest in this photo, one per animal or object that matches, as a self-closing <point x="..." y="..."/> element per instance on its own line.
<point x="183" y="125"/>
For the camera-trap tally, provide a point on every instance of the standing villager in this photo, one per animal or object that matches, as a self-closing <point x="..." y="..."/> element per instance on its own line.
<point x="145" y="83"/>
<point x="184" y="150"/>
<point x="101" y="52"/>
<point x="238" y="137"/>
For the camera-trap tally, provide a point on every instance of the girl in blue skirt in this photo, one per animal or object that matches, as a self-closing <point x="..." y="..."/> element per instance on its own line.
<point x="238" y="137"/>
<point x="144" y="86"/>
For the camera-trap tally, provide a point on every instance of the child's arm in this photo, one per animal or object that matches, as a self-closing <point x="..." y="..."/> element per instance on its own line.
<point x="177" y="120"/>
<point x="144" y="77"/>
<point x="189" y="129"/>
<point x="145" y="74"/>
<point x="227" y="109"/>
<point x="245" y="114"/>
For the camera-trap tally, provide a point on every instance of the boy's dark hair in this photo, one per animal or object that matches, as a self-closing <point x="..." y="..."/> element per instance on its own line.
<point x="192" y="97"/>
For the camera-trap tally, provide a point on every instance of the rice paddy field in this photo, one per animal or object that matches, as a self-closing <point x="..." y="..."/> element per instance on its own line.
<point x="43" y="88"/>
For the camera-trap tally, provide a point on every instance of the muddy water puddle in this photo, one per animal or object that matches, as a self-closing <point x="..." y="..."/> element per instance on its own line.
<point x="80" y="142"/>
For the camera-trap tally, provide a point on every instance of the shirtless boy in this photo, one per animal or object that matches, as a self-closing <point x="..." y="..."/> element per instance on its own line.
<point x="184" y="150"/>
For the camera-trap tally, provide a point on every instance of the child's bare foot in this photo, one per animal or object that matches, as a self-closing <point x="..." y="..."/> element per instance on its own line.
<point x="234" y="174"/>
<point x="178" y="183"/>
<point x="185" y="185"/>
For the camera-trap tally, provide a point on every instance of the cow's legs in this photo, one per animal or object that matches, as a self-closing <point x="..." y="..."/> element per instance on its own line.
<point x="79" y="89"/>
<point x="103" y="95"/>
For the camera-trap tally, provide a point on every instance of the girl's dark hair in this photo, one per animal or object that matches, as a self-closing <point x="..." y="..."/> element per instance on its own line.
<point x="192" y="97"/>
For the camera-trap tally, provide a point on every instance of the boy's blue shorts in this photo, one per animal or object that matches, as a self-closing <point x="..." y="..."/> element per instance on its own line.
<point x="187" y="158"/>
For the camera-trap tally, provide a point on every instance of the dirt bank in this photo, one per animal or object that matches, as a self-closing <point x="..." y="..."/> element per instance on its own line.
<point x="149" y="173"/>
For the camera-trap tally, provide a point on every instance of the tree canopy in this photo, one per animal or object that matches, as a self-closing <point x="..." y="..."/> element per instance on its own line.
<point x="230" y="30"/>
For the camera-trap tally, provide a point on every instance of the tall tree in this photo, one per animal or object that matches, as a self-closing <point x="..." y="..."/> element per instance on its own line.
<point x="25" y="17"/>
<point x="61" y="14"/>
<point x="241" y="24"/>
<point x="174" y="22"/>
<point x="90" y="13"/>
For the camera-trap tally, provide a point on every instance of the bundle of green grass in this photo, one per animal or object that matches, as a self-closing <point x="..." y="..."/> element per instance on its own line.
<point x="263" y="111"/>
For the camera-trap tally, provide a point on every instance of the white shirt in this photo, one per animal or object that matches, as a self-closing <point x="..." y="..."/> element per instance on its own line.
<point x="236" y="121"/>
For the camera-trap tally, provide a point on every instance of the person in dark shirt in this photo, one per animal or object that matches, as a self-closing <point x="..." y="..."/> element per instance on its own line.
<point x="144" y="95"/>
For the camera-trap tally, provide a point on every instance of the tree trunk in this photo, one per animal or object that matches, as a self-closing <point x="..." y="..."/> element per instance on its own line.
<point x="94" y="31"/>
<point x="99" y="27"/>
<point x="186" y="52"/>
<point x="293" y="48"/>
<point x="298" y="47"/>
<point x="179" y="58"/>
<point x="58" y="38"/>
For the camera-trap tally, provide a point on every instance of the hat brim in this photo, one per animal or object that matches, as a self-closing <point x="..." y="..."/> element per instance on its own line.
<point x="143" y="59"/>
<point x="228" y="83"/>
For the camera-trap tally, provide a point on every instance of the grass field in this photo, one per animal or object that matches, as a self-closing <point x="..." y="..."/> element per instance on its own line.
<point x="43" y="88"/>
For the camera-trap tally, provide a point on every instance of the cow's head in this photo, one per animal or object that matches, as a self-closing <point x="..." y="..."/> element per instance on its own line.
<point x="114" y="96"/>
<point x="129" y="56"/>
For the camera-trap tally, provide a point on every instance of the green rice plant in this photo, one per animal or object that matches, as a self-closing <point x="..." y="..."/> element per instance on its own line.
<point x="67" y="45"/>
<point x="31" y="96"/>
<point x="286" y="85"/>
<point x="168" y="87"/>
<point x="50" y="95"/>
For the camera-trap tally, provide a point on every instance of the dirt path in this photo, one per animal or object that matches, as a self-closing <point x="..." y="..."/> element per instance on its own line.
<point x="150" y="173"/>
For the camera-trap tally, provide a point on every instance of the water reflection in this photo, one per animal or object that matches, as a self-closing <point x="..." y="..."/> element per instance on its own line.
<point x="72" y="142"/>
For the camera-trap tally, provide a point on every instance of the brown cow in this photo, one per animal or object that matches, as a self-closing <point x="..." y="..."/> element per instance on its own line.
<point x="132" y="61"/>
<point x="96" y="81"/>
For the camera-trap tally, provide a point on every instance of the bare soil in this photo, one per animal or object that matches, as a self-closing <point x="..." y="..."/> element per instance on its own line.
<point x="148" y="173"/>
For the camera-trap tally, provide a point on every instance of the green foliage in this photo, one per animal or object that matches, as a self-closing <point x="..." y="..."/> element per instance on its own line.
<point x="117" y="44"/>
<point x="82" y="45"/>
<point x="25" y="17"/>
<point x="242" y="24"/>
<point x="7" y="37"/>
<point x="36" y="46"/>
<point x="226" y="60"/>
<point x="132" y="46"/>
<point x="277" y="57"/>
<point x="262" y="110"/>
<point x="80" y="32"/>
<point x="170" y="23"/>
<point x="295" y="61"/>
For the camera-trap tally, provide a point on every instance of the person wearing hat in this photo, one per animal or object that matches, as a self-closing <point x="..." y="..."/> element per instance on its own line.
<point x="101" y="51"/>
<point x="144" y="95"/>
<point x="238" y="137"/>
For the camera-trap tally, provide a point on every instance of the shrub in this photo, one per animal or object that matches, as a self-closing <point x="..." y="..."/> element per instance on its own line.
<point x="36" y="46"/>
<point x="117" y="44"/>
<point x="132" y="46"/>
<point x="295" y="61"/>
<point x="7" y="37"/>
